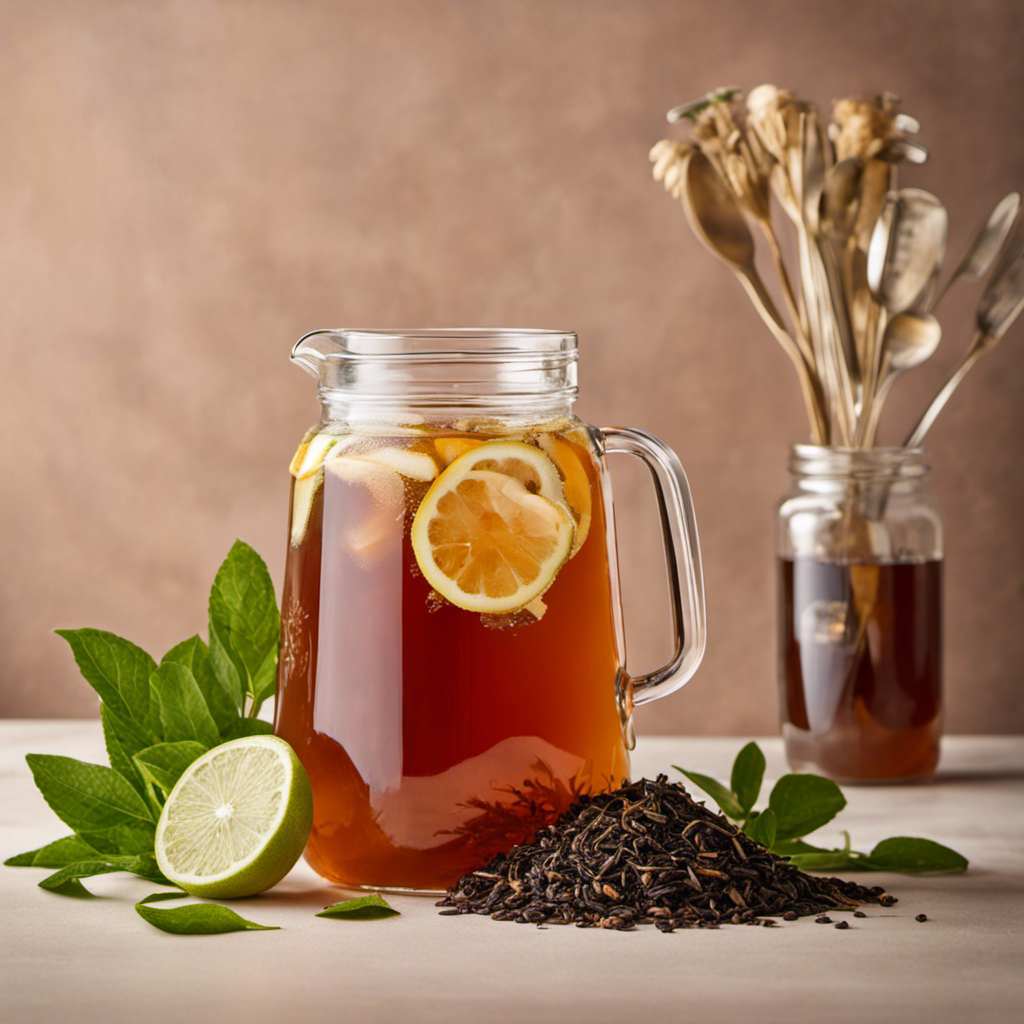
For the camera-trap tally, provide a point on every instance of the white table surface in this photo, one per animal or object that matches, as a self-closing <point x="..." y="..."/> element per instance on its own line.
<point x="75" y="960"/>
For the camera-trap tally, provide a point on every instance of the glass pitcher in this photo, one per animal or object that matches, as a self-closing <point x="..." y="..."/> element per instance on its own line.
<point x="452" y="656"/>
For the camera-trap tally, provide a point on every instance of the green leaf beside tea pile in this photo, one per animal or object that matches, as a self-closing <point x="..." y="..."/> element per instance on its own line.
<point x="157" y="719"/>
<point x="196" y="918"/>
<point x="802" y="803"/>
<point x="360" y="908"/>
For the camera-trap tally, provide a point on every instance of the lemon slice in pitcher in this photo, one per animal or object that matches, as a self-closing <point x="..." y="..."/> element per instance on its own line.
<point x="490" y="539"/>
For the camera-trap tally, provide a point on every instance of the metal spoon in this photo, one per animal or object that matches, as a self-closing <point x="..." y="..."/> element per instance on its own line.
<point x="718" y="221"/>
<point x="985" y="245"/>
<point x="1001" y="304"/>
<point x="909" y="339"/>
<point x="907" y="248"/>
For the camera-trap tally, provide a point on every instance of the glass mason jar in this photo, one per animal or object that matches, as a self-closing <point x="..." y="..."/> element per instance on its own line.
<point x="860" y="614"/>
<point x="452" y="661"/>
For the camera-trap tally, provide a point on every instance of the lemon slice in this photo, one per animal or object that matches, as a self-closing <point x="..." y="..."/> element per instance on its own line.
<point x="523" y="462"/>
<point x="575" y="483"/>
<point x="237" y="820"/>
<point x="487" y="543"/>
<point x="414" y="465"/>
<point x="311" y="454"/>
<point x="450" y="448"/>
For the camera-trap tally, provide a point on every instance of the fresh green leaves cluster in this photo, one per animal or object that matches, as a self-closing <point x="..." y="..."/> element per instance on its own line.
<point x="801" y="804"/>
<point x="157" y="719"/>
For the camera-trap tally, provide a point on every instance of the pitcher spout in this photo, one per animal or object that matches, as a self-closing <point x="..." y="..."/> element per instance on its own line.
<point x="312" y="349"/>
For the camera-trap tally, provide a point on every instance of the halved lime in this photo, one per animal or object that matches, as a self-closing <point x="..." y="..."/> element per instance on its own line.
<point x="237" y="820"/>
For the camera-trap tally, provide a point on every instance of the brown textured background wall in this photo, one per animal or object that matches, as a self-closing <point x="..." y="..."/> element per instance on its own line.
<point x="188" y="186"/>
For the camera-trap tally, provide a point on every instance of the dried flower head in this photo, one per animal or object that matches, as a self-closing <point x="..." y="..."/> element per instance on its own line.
<point x="744" y="164"/>
<point x="868" y="127"/>
<point x="774" y="114"/>
<point x="669" y="159"/>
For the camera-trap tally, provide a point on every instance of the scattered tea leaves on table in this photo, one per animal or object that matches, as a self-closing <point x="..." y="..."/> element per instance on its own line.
<point x="360" y="908"/>
<point x="647" y="853"/>
<point x="197" y="919"/>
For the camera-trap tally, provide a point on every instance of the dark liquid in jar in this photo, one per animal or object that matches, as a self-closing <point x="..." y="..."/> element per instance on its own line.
<point x="436" y="737"/>
<point x="861" y="694"/>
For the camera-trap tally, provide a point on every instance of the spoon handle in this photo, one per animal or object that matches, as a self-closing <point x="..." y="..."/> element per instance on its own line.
<point x="809" y="385"/>
<point x="972" y="355"/>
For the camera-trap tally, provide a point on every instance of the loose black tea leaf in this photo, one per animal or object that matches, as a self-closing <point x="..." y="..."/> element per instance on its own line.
<point x="647" y="854"/>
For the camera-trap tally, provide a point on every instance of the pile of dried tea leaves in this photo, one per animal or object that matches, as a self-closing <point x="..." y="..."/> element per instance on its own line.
<point x="648" y="854"/>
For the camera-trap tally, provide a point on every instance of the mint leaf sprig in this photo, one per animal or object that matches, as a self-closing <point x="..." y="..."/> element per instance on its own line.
<point x="157" y="719"/>
<point x="802" y="803"/>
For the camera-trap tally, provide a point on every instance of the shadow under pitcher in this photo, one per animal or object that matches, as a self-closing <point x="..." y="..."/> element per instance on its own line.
<point x="452" y="656"/>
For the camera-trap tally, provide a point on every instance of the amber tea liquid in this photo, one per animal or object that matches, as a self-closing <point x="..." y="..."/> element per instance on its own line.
<point x="434" y="736"/>
<point x="861" y="702"/>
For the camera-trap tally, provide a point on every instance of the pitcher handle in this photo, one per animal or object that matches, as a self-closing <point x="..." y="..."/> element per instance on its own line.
<point x="682" y="553"/>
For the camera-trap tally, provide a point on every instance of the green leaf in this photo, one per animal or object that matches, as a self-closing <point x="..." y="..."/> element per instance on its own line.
<point x="249" y="727"/>
<point x="194" y="655"/>
<point x="225" y="674"/>
<point x="762" y="828"/>
<point x="363" y="907"/>
<point x="57" y="854"/>
<point x="829" y="860"/>
<point x="198" y="919"/>
<point x="791" y="847"/>
<point x="116" y="669"/>
<point x="159" y="897"/>
<point x="95" y="801"/>
<point x="183" y="711"/>
<point x="803" y="803"/>
<point x="911" y="856"/>
<point x="164" y="763"/>
<point x="722" y="796"/>
<point x="265" y="682"/>
<point x="119" y="758"/>
<point x="747" y="773"/>
<point x="243" y="612"/>
<point x="145" y="866"/>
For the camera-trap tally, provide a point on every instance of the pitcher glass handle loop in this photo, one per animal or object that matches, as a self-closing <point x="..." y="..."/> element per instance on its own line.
<point x="682" y="553"/>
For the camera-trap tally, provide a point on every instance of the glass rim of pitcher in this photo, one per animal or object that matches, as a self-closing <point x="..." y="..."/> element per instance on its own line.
<point x="438" y="365"/>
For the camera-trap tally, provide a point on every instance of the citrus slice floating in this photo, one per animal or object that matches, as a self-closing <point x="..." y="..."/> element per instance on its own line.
<point x="490" y="539"/>
<point x="450" y="448"/>
<point x="414" y="465"/>
<point x="575" y="484"/>
<point x="237" y="820"/>
<point x="521" y="461"/>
